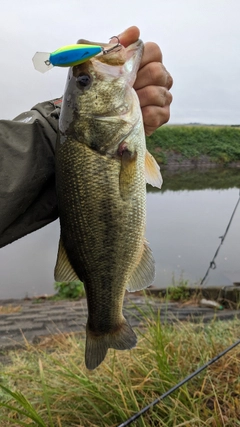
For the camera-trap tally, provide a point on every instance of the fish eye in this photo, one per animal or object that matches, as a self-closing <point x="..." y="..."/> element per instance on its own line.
<point x="84" y="80"/>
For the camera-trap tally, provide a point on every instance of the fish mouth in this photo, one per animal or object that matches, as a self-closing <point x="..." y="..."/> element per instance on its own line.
<point x="118" y="54"/>
<point x="116" y="62"/>
<point x="109" y="46"/>
<point x="115" y="69"/>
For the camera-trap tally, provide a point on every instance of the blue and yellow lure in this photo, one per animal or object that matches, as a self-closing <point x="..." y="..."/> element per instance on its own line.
<point x="66" y="56"/>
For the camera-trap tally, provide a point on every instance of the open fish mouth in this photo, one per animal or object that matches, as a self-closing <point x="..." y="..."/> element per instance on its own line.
<point x="115" y="57"/>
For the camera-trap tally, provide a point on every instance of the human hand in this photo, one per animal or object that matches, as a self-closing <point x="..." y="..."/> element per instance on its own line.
<point x="152" y="83"/>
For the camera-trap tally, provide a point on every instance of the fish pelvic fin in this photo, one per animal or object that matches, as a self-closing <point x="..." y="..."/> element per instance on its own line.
<point x="64" y="272"/>
<point x="144" y="273"/>
<point x="152" y="171"/>
<point x="121" y="338"/>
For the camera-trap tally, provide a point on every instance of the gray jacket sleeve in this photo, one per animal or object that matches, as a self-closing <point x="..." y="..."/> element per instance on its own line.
<point x="27" y="173"/>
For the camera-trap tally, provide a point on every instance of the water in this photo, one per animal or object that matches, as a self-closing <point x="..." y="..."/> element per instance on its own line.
<point x="184" y="228"/>
<point x="184" y="222"/>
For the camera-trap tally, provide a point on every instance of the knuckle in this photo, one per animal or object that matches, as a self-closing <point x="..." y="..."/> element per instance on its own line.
<point x="169" y="80"/>
<point x="151" y="116"/>
<point x="152" y="93"/>
<point x="163" y="96"/>
<point x="154" y="117"/>
<point x="149" y="95"/>
<point x="157" y="74"/>
<point x="155" y="71"/>
<point x="170" y="98"/>
<point x="155" y="50"/>
<point x="167" y="96"/>
<point x="165" y="116"/>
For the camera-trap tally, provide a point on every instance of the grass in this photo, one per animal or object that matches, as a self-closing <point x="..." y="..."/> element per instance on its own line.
<point x="179" y="291"/>
<point x="69" y="290"/>
<point x="50" y="387"/>
<point x="220" y="143"/>
<point x="9" y="308"/>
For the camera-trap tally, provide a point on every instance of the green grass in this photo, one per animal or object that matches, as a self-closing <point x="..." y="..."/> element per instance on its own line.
<point x="220" y="143"/>
<point x="51" y="387"/>
<point x="69" y="290"/>
<point x="179" y="291"/>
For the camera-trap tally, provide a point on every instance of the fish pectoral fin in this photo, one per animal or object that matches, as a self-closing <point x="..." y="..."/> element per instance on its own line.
<point x="127" y="173"/>
<point x="121" y="338"/>
<point x="152" y="171"/>
<point x="144" y="274"/>
<point x="63" y="271"/>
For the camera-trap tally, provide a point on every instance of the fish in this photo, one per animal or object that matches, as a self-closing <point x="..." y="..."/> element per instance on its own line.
<point x="102" y="166"/>
<point x="65" y="56"/>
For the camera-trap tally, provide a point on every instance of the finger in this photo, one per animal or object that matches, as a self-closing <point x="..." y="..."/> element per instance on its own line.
<point x="154" y="117"/>
<point x="151" y="53"/>
<point x="153" y="74"/>
<point x="154" y="95"/>
<point x="129" y="36"/>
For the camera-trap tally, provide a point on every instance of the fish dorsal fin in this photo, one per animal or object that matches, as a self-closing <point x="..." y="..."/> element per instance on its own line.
<point x="152" y="171"/>
<point x="144" y="274"/>
<point x="63" y="272"/>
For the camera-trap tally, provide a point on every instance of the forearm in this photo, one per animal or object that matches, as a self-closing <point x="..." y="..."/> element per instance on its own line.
<point x="27" y="172"/>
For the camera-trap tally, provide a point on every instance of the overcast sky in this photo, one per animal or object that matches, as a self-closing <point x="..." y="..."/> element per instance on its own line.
<point x="200" y="41"/>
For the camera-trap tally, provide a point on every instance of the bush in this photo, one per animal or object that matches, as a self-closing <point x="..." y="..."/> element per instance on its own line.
<point x="220" y="143"/>
<point x="71" y="290"/>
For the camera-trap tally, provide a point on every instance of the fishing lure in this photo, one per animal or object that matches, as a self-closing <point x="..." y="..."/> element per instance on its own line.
<point x="66" y="56"/>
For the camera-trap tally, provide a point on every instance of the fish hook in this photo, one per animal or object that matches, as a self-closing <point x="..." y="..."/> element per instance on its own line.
<point x="118" y="45"/>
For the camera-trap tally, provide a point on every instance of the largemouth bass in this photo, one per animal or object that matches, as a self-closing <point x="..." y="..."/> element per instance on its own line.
<point x="102" y="166"/>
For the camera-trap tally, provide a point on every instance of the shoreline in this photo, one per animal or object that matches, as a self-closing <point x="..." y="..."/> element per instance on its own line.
<point x="176" y="161"/>
<point x="33" y="322"/>
<point x="227" y="294"/>
<point x="195" y="146"/>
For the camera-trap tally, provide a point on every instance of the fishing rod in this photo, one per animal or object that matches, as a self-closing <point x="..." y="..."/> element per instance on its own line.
<point x="177" y="386"/>
<point x="212" y="263"/>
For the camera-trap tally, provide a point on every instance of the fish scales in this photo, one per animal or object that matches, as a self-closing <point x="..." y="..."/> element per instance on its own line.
<point x="101" y="186"/>
<point x="109" y="225"/>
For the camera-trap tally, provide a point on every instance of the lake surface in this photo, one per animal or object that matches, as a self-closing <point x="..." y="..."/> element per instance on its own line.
<point x="184" y="222"/>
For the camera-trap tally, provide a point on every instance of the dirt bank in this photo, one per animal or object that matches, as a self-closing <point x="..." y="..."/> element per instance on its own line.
<point x="173" y="161"/>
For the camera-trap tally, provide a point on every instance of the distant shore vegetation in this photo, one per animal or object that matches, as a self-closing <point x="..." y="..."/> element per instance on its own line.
<point x="177" y="144"/>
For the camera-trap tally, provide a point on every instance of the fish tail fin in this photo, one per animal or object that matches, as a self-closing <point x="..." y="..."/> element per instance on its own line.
<point x="121" y="338"/>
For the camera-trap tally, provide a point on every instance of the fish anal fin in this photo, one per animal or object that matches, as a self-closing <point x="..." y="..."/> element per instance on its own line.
<point x="64" y="271"/>
<point x="121" y="337"/>
<point x="144" y="273"/>
<point x="152" y="171"/>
